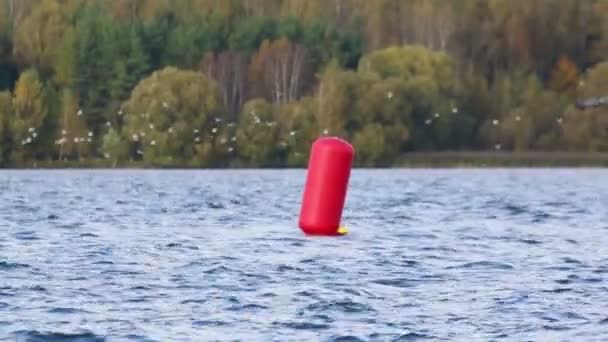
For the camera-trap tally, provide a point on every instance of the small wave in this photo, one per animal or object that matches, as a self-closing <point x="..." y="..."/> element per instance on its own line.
<point x="530" y="241"/>
<point x="302" y="325"/>
<point x="88" y="235"/>
<point x="35" y="336"/>
<point x="348" y="338"/>
<point x="558" y="290"/>
<point x="412" y="336"/>
<point x="66" y="311"/>
<point x="27" y="236"/>
<point x="208" y="323"/>
<point x="346" y="306"/>
<point x="247" y="307"/>
<point x="5" y="265"/>
<point x="483" y="265"/>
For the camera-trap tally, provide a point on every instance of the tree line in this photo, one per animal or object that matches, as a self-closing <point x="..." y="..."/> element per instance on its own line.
<point x="219" y="83"/>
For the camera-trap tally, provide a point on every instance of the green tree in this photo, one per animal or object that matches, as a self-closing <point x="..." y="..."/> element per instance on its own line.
<point x="6" y="112"/>
<point x="257" y="133"/>
<point x="38" y="37"/>
<point x="587" y="129"/>
<point x="30" y="107"/>
<point x="167" y="117"/>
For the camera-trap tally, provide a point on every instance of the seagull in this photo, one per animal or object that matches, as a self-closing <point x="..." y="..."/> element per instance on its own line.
<point x="34" y="135"/>
<point x="428" y="121"/>
<point x="559" y="120"/>
<point x="165" y="104"/>
<point x="32" y="129"/>
<point x="108" y="124"/>
<point x="153" y="142"/>
<point x="170" y="129"/>
<point x="218" y="120"/>
<point x="230" y="149"/>
<point x="517" y="118"/>
<point x="498" y="146"/>
<point x="64" y="132"/>
<point x="292" y="133"/>
<point x="214" y="130"/>
<point x="79" y="113"/>
<point x="436" y="115"/>
<point x="135" y="137"/>
<point x="454" y="110"/>
<point x="151" y="126"/>
<point x="325" y="131"/>
<point x="233" y="138"/>
<point x="90" y="134"/>
<point x="197" y="139"/>
<point x="195" y="130"/>
<point x="389" y="95"/>
<point x="495" y="122"/>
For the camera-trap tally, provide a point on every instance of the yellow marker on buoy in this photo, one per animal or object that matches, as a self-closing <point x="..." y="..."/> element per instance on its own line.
<point x="342" y="231"/>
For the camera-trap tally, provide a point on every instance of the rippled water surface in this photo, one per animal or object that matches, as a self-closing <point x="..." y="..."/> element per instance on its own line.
<point x="454" y="255"/>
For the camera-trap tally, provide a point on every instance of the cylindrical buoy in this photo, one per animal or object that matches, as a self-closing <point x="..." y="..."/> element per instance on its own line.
<point x="324" y="194"/>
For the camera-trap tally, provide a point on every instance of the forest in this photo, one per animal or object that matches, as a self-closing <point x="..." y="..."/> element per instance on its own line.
<point x="251" y="83"/>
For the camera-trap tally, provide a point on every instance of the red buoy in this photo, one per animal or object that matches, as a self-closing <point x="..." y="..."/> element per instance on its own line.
<point x="324" y="195"/>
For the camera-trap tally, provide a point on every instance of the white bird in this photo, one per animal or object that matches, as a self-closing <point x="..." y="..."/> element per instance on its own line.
<point x="325" y="131"/>
<point x="64" y="132"/>
<point x="151" y="126"/>
<point x="197" y="139"/>
<point x="79" y="113"/>
<point x="76" y="140"/>
<point x="559" y="120"/>
<point x="517" y="118"/>
<point x="454" y="110"/>
<point x="34" y="135"/>
<point x="143" y="134"/>
<point x="428" y="121"/>
<point x="89" y="140"/>
<point x="292" y="133"/>
<point x="153" y="142"/>
<point x="32" y="129"/>
<point x="223" y="141"/>
<point x="389" y="95"/>
<point x="214" y="130"/>
<point x="90" y="134"/>
<point x="495" y="122"/>
<point x="165" y="104"/>
<point x="195" y="130"/>
<point x="135" y="137"/>
<point x="498" y="146"/>
<point x="108" y="124"/>
<point x="231" y="124"/>
<point x="29" y="140"/>
<point x="230" y="149"/>
<point x="436" y="115"/>
<point x="218" y="120"/>
<point x="233" y="139"/>
<point x="170" y="129"/>
<point x="106" y="155"/>
<point x="120" y="112"/>
<point x="140" y="152"/>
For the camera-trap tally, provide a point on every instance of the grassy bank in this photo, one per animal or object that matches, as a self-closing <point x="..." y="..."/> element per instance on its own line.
<point x="503" y="159"/>
<point x="465" y="159"/>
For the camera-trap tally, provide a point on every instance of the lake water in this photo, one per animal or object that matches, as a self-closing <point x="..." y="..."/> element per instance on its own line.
<point x="437" y="255"/>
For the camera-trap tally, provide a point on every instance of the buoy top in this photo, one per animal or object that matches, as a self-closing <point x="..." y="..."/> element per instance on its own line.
<point x="334" y="143"/>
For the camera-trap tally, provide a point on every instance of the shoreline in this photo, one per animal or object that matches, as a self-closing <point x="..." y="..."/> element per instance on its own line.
<point x="415" y="160"/>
